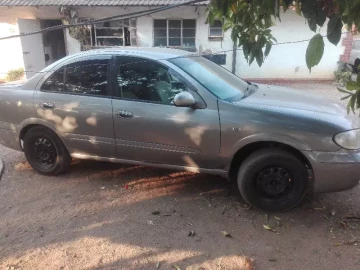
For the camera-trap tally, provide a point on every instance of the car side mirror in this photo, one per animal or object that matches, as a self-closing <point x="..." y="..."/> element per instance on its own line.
<point x="184" y="99"/>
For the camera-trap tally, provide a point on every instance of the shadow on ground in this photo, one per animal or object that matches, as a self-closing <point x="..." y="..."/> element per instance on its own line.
<point x="110" y="216"/>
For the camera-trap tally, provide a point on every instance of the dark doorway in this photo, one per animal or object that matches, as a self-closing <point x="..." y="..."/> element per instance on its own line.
<point x="54" y="42"/>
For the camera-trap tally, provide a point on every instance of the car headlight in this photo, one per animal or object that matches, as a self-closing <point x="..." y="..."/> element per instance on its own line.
<point x="348" y="139"/>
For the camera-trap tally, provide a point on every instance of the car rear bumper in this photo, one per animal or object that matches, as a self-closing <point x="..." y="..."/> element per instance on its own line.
<point x="334" y="171"/>
<point x="9" y="138"/>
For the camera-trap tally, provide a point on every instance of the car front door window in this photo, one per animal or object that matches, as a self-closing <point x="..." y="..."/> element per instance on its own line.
<point x="146" y="80"/>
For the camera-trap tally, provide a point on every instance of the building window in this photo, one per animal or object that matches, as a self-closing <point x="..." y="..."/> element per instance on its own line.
<point x="174" y="33"/>
<point x="114" y="33"/>
<point x="216" y="30"/>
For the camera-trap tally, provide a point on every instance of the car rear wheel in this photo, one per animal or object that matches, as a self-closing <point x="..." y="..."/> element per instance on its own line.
<point x="45" y="152"/>
<point x="273" y="180"/>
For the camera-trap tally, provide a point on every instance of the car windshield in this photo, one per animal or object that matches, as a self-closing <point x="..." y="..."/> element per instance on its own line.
<point x="213" y="77"/>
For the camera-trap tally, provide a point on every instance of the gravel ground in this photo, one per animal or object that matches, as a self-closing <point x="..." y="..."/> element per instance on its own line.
<point x="109" y="216"/>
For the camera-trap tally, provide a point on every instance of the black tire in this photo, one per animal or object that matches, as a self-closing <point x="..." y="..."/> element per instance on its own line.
<point x="45" y="152"/>
<point x="273" y="180"/>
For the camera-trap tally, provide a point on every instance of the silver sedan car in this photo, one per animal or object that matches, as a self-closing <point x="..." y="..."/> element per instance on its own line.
<point x="173" y="109"/>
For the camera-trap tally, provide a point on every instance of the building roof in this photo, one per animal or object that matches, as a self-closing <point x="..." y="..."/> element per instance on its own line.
<point x="92" y="2"/>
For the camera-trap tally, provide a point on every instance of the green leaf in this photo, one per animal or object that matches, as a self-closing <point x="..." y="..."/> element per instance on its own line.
<point x="351" y="104"/>
<point x="298" y="7"/>
<point x="320" y="17"/>
<point x="308" y="8"/>
<point x="268" y="49"/>
<point x="246" y="50"/>
<point x="345" y="91"/>
<point x="352" y="86"/>
<point x="251" y="57"/>
<point x="312" y="23"/>
<point x="334" y="29"/>
<point x="358" y="99"/>
<point x="346" y="97"/>
<point x="286" y="4"/>
<point x="259" y="57"/>
<point x="315" y="51"/>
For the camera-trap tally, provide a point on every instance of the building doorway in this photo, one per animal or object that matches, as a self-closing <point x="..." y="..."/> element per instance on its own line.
<point x="53" y="41"/>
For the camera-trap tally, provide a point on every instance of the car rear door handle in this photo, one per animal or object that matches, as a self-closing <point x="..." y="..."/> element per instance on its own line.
<point x="124" y="114"/>
<point x="48" y="106"/>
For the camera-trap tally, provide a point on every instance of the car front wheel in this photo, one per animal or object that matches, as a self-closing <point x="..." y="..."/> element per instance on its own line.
<point x="45" y="152"/>
<point x="273" y="180"/>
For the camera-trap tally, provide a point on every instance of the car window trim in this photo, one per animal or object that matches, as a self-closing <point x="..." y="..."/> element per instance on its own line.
<point x="115" y="86"/>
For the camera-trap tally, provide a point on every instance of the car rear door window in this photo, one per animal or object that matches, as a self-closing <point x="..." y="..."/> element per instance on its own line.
<point x="146" y="80"/>
<point x="89" y="77"/>
<point x="55" y="83"/>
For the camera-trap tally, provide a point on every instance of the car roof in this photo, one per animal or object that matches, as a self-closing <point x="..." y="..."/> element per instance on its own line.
<point x="152" y="52"/>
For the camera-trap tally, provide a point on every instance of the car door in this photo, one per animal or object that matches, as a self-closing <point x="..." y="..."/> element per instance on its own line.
<point x="74" y="100"/>
<point x="150" y="128"/>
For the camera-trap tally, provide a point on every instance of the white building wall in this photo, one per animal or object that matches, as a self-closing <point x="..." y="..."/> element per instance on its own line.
<point x="284" y="61"/>
<point x="11" y="56"/>
<point x="72" y="45"/>
<point x="288" y="61"/>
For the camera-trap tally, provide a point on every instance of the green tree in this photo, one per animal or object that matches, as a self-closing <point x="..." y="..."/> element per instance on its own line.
<point x="250" y="22"/>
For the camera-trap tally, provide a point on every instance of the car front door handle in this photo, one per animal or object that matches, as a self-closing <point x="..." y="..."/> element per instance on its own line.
<point x="124" y="114"/>
<point x="48" y="106"/>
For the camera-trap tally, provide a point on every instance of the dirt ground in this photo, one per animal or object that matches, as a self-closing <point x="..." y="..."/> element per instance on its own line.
<point x="111" y="216"/>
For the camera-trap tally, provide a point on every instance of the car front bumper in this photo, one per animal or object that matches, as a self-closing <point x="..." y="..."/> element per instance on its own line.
<point x="334" y="171"/>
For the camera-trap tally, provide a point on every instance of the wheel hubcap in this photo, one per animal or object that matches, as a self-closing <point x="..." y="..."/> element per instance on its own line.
<point x="274" y="182"/>
<point x="45" y="153"/>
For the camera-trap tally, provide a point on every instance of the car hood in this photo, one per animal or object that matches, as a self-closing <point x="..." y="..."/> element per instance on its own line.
<point x="282" y="98"/>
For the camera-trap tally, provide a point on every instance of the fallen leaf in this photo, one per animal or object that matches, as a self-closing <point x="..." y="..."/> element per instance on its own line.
<point x="333" y="213"/>
<point x="102" y="188"/>
<point x="157" y="265"/>
<point x="150" y="222"/>
<point x="272" y="260"/>
<point x="176" y="267"/>
<point x="267" y="227"/>
<point x="156" y="213"/>
<point x="226" y="234"/>
<point x="277" y="218"/>
<point x="320" y="209"/>
<point x="191" y="233"/>
<point x="126" y="186"/>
